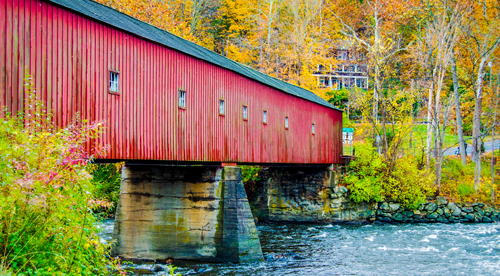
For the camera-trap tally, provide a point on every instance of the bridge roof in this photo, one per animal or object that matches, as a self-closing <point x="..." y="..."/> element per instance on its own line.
<point x="129" y="24"/>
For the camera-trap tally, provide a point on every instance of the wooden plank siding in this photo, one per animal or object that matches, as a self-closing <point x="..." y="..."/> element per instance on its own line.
<point x="69" y="57"/>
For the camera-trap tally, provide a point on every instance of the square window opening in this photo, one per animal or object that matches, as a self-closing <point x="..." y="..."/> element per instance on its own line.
<point x="182" y="98"/>
<point x="264" y="117"/>
<point x="221" y="107"/>
<point x="114" y="78"/>
<point x="245" y="112"/>
<point x="286" y="122"/>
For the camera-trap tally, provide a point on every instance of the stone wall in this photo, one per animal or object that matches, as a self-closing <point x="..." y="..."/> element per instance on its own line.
<point x="198" y="213"/>
<point x="438" y="211"/>
<point x="301" y="194"/>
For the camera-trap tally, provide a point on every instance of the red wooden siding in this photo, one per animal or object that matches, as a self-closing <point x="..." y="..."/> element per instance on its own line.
<point x="70" y="57"/>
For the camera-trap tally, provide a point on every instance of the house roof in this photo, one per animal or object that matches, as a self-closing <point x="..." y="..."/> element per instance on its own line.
<point x="139" y="28"/>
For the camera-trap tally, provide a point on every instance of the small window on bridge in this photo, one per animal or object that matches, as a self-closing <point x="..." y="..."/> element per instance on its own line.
<point x="286" y="122"/>
<point x="221" y="107"/>
<point x="114" y="78"/>
<point x="313" y="129"/>
<point x="182" y="98"/>
<point x="245" y="112"/>
<point x="264" y="117"/>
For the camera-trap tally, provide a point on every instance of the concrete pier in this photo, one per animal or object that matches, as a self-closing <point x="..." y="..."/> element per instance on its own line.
<point x="196" y="213"/>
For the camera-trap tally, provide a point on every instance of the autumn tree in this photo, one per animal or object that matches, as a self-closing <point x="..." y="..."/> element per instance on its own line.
<point x="375" y="26"/>
<point x="440" y="31"/>
<point x="480" y="43"/>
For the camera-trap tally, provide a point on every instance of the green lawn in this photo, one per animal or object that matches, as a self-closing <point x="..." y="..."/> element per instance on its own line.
<point x="419" y="139"/>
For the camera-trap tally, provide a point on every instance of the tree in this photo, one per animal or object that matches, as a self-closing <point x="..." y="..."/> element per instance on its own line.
<point x="374" y="26"/>
<point x="482" y="39"/>
<point x="456" y="95"/>
<point x="440" y="32"/>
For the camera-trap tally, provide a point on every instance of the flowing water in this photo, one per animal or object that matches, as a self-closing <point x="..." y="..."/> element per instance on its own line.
<point x="404" y="249"/>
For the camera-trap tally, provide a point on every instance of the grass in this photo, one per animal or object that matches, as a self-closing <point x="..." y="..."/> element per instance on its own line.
<point x="420" y="137"/>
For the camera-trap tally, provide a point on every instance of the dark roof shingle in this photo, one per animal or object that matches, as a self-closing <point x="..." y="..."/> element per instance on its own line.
<point x="129" y="24"/>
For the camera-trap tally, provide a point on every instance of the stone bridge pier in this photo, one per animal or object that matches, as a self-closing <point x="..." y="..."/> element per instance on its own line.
<point x="305" y="194"/>
<point x="185" y="212"/>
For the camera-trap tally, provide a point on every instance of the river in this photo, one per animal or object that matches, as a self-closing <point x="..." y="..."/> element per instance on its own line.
<point x="404" y="249"/>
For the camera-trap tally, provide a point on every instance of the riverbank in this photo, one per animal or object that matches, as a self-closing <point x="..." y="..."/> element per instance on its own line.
<point x="313" y="198"/>
<point x="438" y="211"/>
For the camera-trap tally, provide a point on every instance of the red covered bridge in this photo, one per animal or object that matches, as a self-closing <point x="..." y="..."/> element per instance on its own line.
<point x="165" y="100"/>
<point x="160" y="96"/>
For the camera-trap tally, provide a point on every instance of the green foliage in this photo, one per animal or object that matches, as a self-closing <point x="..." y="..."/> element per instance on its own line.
<point x="365" y="175"/>
<point x="407" y="184"/>
<point x="106" y="179"/>
<point x="458" y="180"/>
<point x="46" y="226"/>
<point x="250" y="175"/>
<point x="171" y="271"/>
<point x="346" y="122"/>
<point x="338" y="98"/>
<point x="370" y="179"/>
<point x="465" y="190"/>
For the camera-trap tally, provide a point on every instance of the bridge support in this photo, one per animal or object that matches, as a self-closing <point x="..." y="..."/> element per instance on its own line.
<point x="197" y="213"/>
<point x="305" y="194"/>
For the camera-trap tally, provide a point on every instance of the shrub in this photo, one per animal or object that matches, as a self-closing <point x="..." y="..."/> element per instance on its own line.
<point x="250" y="175"/>
<point x="45" y="197"/>
<point x="458" y="180"/>
<point x="106" y="178"/>
<point x="370" y="179"/>
<point x="365" y="174"/>
<point x="346" y="122"/>
<point x="465" y="190"/>
<point x="409" y="185"/>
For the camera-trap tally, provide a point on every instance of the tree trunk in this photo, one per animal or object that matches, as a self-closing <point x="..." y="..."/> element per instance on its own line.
<point x="476" y="124"/>
<point x="493" y="145"/>
<point x="460" y="131"/>
<point x="439" y="133"/>
<point x="430" y="124"/>
<point x="384" y="130"/>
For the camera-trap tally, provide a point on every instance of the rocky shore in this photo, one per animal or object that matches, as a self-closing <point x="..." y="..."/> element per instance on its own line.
<point x="440" y="211"/>
<point x="333" y="205"/>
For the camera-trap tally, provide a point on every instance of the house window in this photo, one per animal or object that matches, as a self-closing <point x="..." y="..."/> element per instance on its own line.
<point x="245" y="112"/>
<point x="264" y="117"/>
<point x="336" y="83"/>
<point x="286" y="122"/>
<point x="360" y="83"/>
<point x="313" y="128"/>
<point x="324" y="81"/>
<point x="221" y="107"/>
<point x="182" y="98"/>
<point x="114" y="78"/>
